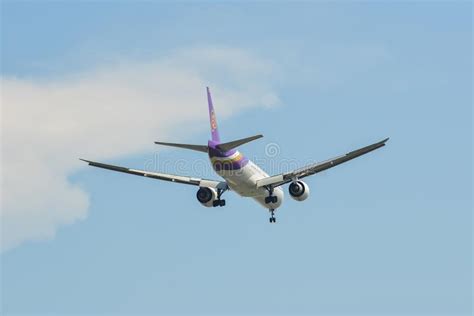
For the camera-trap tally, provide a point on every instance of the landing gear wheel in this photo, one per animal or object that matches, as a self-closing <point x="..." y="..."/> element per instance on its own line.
<point x="270" y="198"/>
<point x="272" y="218"/>
<point x="220" y="202"/>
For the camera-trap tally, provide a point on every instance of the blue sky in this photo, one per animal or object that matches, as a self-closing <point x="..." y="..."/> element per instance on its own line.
<point x="386" y="234"/>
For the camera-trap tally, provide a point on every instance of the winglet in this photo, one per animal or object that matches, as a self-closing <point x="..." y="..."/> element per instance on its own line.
<point x="212" y="118"/>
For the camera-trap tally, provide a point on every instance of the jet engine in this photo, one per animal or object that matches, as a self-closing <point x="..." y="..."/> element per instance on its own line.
<point x="299" y="190"/>
<point x="206" y="196"/>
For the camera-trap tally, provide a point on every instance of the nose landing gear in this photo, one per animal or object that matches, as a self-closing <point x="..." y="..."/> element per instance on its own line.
<point x="272" y="217"/>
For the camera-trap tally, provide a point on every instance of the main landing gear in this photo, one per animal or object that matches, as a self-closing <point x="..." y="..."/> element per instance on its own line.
<point x="270" y="198"/>
<point x="219" y="202"/>
<point x="272" y="217"/>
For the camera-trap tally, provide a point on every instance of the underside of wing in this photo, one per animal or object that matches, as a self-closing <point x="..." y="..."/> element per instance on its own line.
<point x="283" y="178"/>
<point x="160" y="176"/>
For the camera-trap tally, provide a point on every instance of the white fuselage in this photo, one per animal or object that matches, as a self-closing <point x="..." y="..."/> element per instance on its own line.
<point x="244" y="182"/>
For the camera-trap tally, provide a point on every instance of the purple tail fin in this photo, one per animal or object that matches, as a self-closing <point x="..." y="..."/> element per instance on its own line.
<point x="212" y="118"/>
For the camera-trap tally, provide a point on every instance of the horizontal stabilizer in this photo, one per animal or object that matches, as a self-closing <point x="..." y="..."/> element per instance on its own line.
<point x="202" y="148"/>
<point x="236" y="143"/>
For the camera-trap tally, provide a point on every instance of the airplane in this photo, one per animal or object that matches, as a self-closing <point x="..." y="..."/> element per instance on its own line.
<point x="240" y="174"/>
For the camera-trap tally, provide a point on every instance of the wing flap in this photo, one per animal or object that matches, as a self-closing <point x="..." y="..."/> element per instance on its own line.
<point x="269" y="180"/>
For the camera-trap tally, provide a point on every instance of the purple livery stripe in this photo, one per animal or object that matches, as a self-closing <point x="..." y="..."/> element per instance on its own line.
<point x="230" y="160"/>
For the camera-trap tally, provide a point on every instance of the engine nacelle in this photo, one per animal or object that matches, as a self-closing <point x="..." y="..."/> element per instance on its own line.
<point x="299" y="190"/>
<point x="206" y="196"/>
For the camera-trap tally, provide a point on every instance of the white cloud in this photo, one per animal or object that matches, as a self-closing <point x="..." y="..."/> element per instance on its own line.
<point x="109" y="112"/>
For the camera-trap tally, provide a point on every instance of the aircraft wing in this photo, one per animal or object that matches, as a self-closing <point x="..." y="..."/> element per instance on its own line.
<point x="283" y="178"/>
<point x="161" y="176"/>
